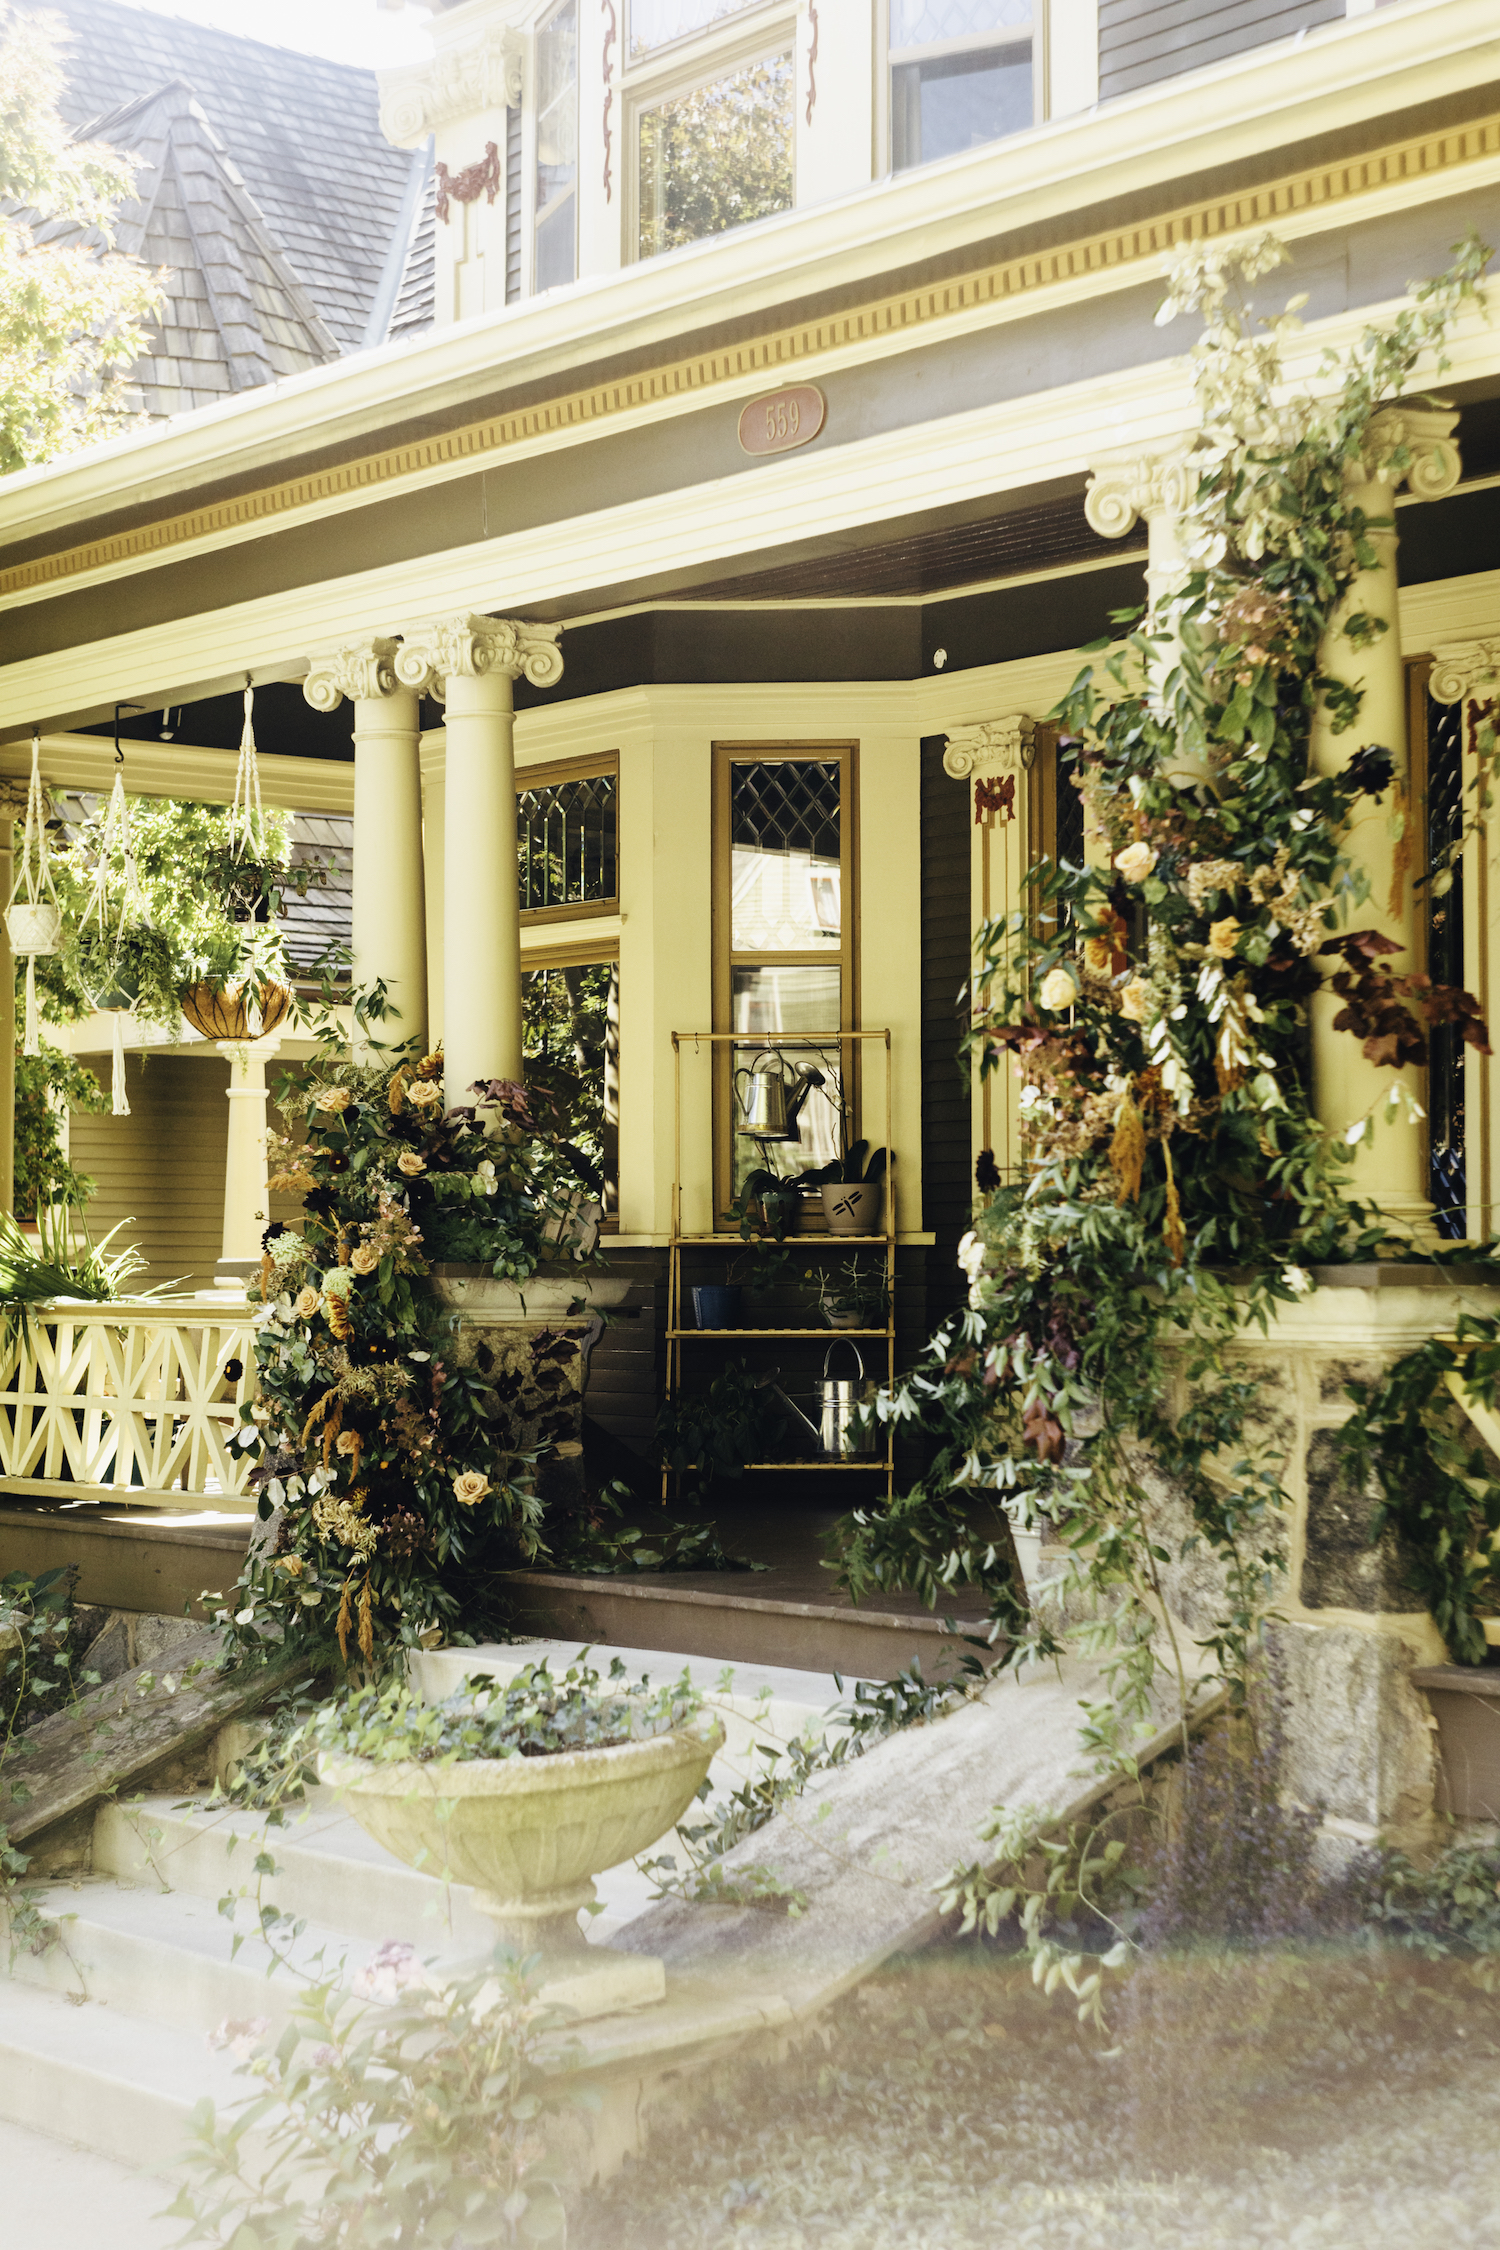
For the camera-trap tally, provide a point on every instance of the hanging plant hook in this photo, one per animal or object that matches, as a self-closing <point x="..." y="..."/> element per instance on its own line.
<point x="119" y="707"/>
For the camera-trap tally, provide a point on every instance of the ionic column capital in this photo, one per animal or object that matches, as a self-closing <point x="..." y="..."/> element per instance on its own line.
<point x="1005" y="745"/>
<point x="1413" y="445"/>
<point x="362" y="670"/>
<point x="1461" y="668"/>
<point x="1126" y="486"/>
<point x="472" y="648"/>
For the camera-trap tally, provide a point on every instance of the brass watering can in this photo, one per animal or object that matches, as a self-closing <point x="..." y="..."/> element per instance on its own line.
<point x="772" y="1097"/>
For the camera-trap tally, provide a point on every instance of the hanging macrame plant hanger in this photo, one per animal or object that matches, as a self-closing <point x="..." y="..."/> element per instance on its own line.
<point x="115" y="837"/>
<point x="34" y="918"/>
<point x="246" y="820"/>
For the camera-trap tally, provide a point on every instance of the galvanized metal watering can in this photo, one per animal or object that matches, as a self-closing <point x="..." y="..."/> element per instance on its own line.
<point x="772" y="1097"/>
<point x="838" y="1429"/>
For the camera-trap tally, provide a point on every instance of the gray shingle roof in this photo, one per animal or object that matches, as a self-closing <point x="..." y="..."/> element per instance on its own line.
<point x="236" y="314"/>
<point x="303" y="132"/>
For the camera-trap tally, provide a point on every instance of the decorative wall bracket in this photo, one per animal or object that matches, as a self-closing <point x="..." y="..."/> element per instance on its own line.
<point x="484" y="73"/>
<point x="1462" y="668"/>
<point x="483" y="178"/>
<point x="993" y="747"/>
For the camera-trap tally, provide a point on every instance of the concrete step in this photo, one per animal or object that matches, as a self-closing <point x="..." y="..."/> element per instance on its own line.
<point x="329" y="1872"/>
<point x="698" y="1614"/>
<point x="60" y="2196"/>
<point x="171" y="1957"/>
<point x="119" y="2083"/>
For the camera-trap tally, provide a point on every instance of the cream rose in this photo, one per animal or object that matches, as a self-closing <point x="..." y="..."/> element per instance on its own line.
<point x="1135" y="862"/>
<point x="306" y="1303"/>
<point x="332" y="1098"/>
<point x="363" y="1260"/>
<point x="424" y="1095"/>
<point x="410" y="1163"/>
<point x="1058" y="989"/>
<point x="470" y="1488"/>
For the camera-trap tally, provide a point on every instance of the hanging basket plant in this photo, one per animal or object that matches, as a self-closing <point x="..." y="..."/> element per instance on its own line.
<point x="33" y="919"/>
<point x="247" y="1010"/>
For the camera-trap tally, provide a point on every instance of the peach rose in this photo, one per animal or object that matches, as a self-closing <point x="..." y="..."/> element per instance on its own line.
<point x="364" y="1259"/>
<point x="307" y="1303"/>
<point x="470" y="1488"/>
<point x="425" y="1095"/>
<point x="332" y="1098"/>
<point x="410" y="1163"/>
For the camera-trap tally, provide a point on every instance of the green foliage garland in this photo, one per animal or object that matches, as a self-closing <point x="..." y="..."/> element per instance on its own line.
<point x="1176" y="1183"/>
<point x="391" y="1459"/>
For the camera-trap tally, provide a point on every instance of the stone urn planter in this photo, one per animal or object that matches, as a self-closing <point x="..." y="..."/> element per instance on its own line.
<point x="530" y="1833"/>
<point x="545" y="1297"/>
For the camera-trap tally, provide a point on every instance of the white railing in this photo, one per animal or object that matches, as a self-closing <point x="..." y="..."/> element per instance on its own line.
<point x="136" y="1400"/>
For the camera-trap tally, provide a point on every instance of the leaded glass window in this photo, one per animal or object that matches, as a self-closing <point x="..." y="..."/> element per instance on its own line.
<point x="566" y="842"/>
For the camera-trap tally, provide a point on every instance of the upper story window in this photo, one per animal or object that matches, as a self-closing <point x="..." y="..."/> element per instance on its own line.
<point x="961" y="75"/>
<point x="557" y="148"/>
<point x="656" y="23"/>
<point x="716" y="156"/>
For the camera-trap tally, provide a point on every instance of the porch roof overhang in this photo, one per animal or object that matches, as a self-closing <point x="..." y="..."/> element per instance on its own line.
<point x="579" y="454"/>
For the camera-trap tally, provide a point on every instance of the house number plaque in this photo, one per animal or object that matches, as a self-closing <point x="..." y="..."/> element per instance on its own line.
<point x="782" y="419"/>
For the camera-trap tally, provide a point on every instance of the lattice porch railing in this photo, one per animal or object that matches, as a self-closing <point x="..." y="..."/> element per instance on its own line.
<point x="136" y="1400"/>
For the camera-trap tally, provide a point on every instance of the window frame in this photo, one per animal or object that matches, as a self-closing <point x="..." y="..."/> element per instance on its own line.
<point x="936" y="50"/>
<point x="680" y="67"/>
<point x="547" y="774"/>
<point x="801" y="750"/>
<point x="582" y="953"/>
<point x="538" y="211"/>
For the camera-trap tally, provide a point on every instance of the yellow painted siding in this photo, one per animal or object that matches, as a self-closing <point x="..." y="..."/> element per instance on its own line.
<point x="162" y="1167"/>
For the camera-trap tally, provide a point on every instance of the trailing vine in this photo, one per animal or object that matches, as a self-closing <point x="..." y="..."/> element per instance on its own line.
<point x="1176" y="1184"/>
<point x="394" y="1459"/>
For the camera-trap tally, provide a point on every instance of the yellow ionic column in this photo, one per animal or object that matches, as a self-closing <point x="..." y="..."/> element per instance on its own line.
<point x="474" y="661"/>
<point x="247" y="1202"/>
<point x="389" y="933"/>
<point x="1391" y="1164"/>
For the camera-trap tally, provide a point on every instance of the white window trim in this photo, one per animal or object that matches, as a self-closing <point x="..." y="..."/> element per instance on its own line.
<point x="676" y="55"/>
<point x="759" y="35"/>
<point x="531" y="119"/>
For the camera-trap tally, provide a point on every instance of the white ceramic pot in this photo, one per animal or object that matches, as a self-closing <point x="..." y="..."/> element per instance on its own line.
<point x="854" y="1208"/>
<point x="546" y="1296"/>
<point x="33" y="926"/>
<point x="530" y="1834"/>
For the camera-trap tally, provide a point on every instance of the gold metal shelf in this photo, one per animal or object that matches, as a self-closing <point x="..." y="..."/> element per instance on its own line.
<point x="678" y="1335"/>
<point x="683" y="1043"/>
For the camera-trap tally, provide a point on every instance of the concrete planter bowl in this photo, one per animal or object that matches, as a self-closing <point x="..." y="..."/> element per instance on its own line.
<point x="546" y="1296"/>
<point x="530" y="1834"/>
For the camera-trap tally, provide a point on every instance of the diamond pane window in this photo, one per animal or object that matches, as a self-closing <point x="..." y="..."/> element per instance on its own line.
<point x="565" y="841"/>
<point x="926" y="23"/>
<point x="655" y="23"/>
<point x="785" y="857"/>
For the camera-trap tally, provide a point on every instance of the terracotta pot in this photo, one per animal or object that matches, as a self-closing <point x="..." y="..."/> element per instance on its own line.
<point x="853" y="1208"/>
<point x="236" y="1011"/>
<point x="34" y="926"/>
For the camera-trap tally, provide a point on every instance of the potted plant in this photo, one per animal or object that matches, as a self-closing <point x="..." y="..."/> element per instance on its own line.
<point x="739" y="1419"/>
<point x="526" y="1789"/>
<point x="849" y="1296"/>
<point x="852" y="1187"/>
